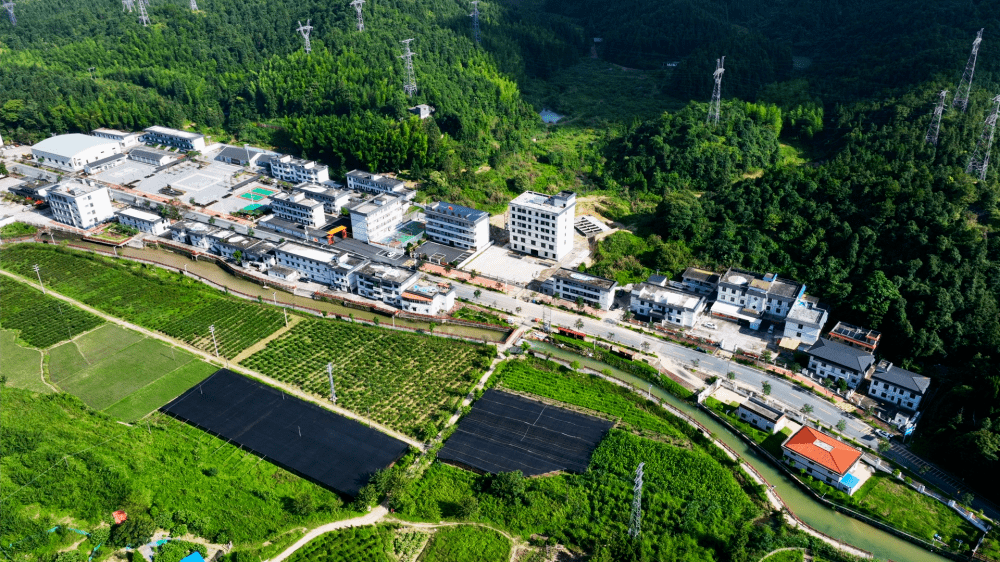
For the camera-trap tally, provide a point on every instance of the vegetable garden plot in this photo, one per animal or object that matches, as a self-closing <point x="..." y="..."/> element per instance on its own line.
<point x="505" y="432"/>
<point x="332" y="450"/>
<point x="41" y="320"/>
<point x="403" y="380"/>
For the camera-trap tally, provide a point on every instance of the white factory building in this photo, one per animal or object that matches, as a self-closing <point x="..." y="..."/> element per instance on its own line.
<point x="176" y="138"/>
<point x="74" y="151"/>
<point x="455" y="225"/>
<point x="542" y="225"/>
<point x="143" y="221"/>
<point x="375" y="219"/>
<point x="81" y="205"/>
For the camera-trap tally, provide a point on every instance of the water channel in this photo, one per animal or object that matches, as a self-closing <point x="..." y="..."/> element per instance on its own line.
<point x="880" y="543"/>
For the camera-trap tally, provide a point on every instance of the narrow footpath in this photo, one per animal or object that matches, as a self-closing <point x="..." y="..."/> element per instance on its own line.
<point x="371" y="518"/>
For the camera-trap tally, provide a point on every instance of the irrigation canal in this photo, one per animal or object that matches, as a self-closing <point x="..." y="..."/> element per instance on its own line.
<point x="880" y="543"/>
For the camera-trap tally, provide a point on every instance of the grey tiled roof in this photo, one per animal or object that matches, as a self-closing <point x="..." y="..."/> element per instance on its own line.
<point x="844" y="355"/>
<point x="902" y="378"/>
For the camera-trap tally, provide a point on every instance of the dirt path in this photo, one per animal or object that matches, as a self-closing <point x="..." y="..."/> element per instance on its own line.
<point x="263" y="343"/>
<point x="209" y="358"/>
<point x="374" y="516"/>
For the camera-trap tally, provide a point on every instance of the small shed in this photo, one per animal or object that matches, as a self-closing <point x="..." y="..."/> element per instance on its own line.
<point x="757" y="413"/>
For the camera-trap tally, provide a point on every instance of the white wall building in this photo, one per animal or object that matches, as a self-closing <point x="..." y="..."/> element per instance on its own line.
<point x="455" y="225"/>
<point x="366" y="182"/>
<point x="898" y="386"/>
<point x="745" y="295"/>
<point x="660" y="303"/>
<point x="542" y="225"/>
<point x="571" y="285"/>
<point x="375" y="219"/>
<point x="825" y="459"/>
<point x="428" y="297"/>
<point x="385" y="283"/>
<point x="700" y="281"/>
<point x="176" y="138"/>
<point x="152" y="156"/>
<point x="104" y="164"/>
<point x="74" y="151"/>
<point x="297" y="170"/>
<point x="806" y="320"/>
<point x="762" y="416"/>
<point x="336" y="269"/>
<point x="333" y="199"/>
<point x="838" y="361"/>
<point x="143" y="221"/>
<point x="124" y="139"/>
<point x="81" y="205"/>
<point x="296" y="207"/>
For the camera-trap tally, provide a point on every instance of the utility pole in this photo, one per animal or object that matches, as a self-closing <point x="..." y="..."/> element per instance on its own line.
<point x="961" y="100"/>
<point x="211" y="329"/>
<point x="38" y="271"/>
<point x="143" y="16"/>
<point x="715" y="107"/>
<point x="329" y="374"/>
<point x="635" y="521"/>
<point x="357" y="8"/>
<point x="305" y="30"/>
<point x="932" y="132"/>
<point x="475" y="19"/>
<point x="9" y="5"/>
<point x="980" y="160"/>
<point x="411" y="83"/>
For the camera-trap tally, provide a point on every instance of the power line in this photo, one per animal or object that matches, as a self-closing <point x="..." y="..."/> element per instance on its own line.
<point x="980" y="160"/>
<point x="715" y="106"/>
<point x="932" y="132"/>
<point x="961" y="100"/>
<point x="305" y="30"/>
<point x="411" y="83"/>
<point x="356" y="4"/>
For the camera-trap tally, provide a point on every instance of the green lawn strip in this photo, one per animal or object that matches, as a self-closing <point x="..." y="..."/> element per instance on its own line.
<point x="106" y="341"/>
<point x="160" y="391"/>
<point x="65" y="361"/>
<point x="466" y="313"/>
<point x="785" y="556"/>
<point x="21" y="365"/>
<point x="187" y="476"/>
<point x="894" y="501"/>
<point x="467" y="543"/>
<point x="355" y="544"/>
<point x="550" y="380"/>
<point x="41" y="320"/>
<point x="102" y="384"/>
<point x="17" y="230"/>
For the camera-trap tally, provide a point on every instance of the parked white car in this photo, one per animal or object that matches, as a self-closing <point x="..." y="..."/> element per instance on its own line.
<point x="710" y="325"/>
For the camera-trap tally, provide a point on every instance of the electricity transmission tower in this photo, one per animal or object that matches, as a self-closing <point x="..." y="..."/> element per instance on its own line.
<point x="980" y="160"/>
<point x="932" y="132"/>
<point x="635" y="521"/>
<point x="143" y="16"/>
<point x="305" y="30"/>
<point x="411" y="83"/>
<point x="357" y="8"/>
<point x="475" y="19"/>
<point x="9" y="4"/>
<point x="965" y="86"/>
<point x="716" y="105"/>
<point x="128" y="5"/>
<point x="329" y="374"/>
<point x="194" y="6"/>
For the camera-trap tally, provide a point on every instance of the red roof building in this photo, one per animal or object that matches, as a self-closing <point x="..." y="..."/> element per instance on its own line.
<point x="821" y="449"/>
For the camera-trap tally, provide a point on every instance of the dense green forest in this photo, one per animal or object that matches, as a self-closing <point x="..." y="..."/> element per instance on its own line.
<point x="818" y="169"/>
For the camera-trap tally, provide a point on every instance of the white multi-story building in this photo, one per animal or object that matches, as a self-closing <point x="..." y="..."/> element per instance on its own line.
<point x="74" y="151"/>
<point x="333" y="199"/>
<point x="838" y="361"/>
<point x="542" y="225"/>
<point x="176" y="138"/>
<point x="124" y="139"/>
<point x="385" y="283"/>
<point x="376" y="183"/>
<point x="296" y="170"/>
<point x="375" y="219"/>
<point x="458" y="226"/>
<point x="296" y="207"/>
<point x="806" y="320"/>
<point x="700" y="281"/>
<point x="596" y="292"/>
<point x="428" y="297"/>
<point x="825" y="459"/>
<point x="81" y="205"/>
<point x="143" y="221"/>
<point x="194" y="233"/>
<point x="898" y="386"/>
<point x="660" y="303"/>
<point x="763" y="416"/>
<point x="333" y="268"/>
<point x="751" y="296"/>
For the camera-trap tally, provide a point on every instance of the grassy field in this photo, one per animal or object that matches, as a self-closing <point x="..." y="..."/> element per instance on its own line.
<point x="915" y="513"/>
<point x="120" y="370"/>
<point x="470" y="543"/>
<point x="21" y="365"/>
<point x="405" y="380"/>
<point x="16" y="230"/>
<point x="40" y="320"/>
<point x="148" y="296"/>
<point x="66" y="463"/>
<point x="476" y="315"/>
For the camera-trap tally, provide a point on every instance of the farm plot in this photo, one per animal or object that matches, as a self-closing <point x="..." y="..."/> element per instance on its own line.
<point x="148" y="296"/>
<point x="41" y="320"/>
<point x="406" y="381"/>
<point x="21" y="365"/>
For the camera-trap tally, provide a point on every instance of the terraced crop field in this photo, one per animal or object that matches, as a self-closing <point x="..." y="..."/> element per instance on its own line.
<point x="41" y="320"/>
